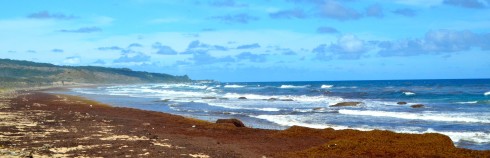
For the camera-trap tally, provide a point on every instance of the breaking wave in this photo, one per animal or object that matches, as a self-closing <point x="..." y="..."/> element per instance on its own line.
<point x="409" y="93"/>
<point x="326" y="86"/>
<point x="292" y="86"/>
<point x="418" y="116"/>
<point x="234" y="86"/>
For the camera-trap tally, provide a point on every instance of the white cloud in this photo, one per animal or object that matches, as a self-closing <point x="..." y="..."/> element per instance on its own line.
<point x="74" y="60"/>
<point x="335" y="10"/>
<point x="347" y="47"/>
<point x="420" y="3"/>
<point x="351" y="44"/>
<point x="434" y="42"/>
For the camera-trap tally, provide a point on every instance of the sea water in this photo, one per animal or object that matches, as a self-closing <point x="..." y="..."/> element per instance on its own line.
<point x="459" y="109"/>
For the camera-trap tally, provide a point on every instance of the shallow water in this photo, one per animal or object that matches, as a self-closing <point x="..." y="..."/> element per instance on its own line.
<point x="457" y="108"/>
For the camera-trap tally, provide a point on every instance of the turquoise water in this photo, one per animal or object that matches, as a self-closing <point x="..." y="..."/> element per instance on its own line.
<point x="457" y="108"/>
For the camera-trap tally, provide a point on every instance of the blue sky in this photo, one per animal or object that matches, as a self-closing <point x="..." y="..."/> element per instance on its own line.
<point x="261" y="40"/>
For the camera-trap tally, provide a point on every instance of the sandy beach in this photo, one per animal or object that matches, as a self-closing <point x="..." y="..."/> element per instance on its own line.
<point x="40" y="124"/>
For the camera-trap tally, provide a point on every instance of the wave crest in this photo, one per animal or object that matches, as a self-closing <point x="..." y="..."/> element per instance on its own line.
<point x="326" y="86"/>
<point x="293" y="86"/>
<point x="409" y="93"/>
<point x="418" y="116"/>
<point x="234" y="86"/>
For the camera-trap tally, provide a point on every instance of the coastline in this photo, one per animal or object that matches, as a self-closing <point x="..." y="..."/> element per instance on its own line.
<point x="41" y="124"/>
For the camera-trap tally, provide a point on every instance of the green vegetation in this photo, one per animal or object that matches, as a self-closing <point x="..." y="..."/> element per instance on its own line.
<point x="16" y="73"/>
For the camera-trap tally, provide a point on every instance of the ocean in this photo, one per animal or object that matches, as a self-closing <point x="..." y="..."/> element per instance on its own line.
<point x="459" y="109"/>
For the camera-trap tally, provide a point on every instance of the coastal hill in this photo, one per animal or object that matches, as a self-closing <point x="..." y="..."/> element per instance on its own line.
<point x="17" y="73"/>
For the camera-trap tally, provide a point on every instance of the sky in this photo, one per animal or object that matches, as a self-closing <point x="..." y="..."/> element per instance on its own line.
<point x="256" y="40"/>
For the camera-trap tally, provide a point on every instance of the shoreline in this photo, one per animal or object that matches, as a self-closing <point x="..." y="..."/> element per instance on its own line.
<point x="95" y="129"/>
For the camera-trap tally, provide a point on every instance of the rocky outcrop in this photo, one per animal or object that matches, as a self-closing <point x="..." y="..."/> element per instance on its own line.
<point x="242" y="97"/>
<point x="208" y="98"/>
<point x="318" y="109"/>
<point x="401" y="103"/>
<point x="233" y="121"/>
<point x="271" y="99"/>
<point x="346" y="104"/>
<point x="417" y="106"/>
<point x="163" y="100"/>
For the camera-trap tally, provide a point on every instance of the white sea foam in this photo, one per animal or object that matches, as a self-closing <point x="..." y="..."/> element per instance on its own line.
<point x="248" y="96"/>
<point x="211" y="89"/>
<point x="477" y="137"/>
<point x="159" y="93"/>
<point x="324" y="99"/>
<point x="85" y="91"/>
<point x="234" y="106"/>
<point x="179" y="94"/>
<point x="197" y="86"/>
<point x="234" y="86"/>
<point x="150" y="91"/>
<point x="326" y="86"/>
<point x="268" y="109"/>
<point x="292" y="86"/>
<point x="300" y="98"/>
<point x="468" y="102"/>
<point x="345" y="87"/>
<point x="157" y="86"/>
<point x="486" y="93"/>
<point x="409" y="93"/>
<point x="419" y="116"/>
<point x="455" y="136"/>
<point x="304" y="110"/>
<point x="293" y="120"/>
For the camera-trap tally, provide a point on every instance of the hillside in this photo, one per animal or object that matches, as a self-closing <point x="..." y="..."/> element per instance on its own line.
<point x="16" y="73"/>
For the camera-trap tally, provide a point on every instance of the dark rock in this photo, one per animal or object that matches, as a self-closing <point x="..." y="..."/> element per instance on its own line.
<point x="208" y="98"/>
<point x="173" y="105"/>
<point x="318" y="109"/>
<point x="417" y="106"/>
<point x="153" y="137"/>
<point x="347" y="104"/>
<point x="233" y="121"/>
<point x="401" y="103"/>
<point x="223" y="98"/>
<point x="271" y="99"/>
<point x="164" y="100"/>
<point x="242" y="97"/>
<point x="287" y="100"/>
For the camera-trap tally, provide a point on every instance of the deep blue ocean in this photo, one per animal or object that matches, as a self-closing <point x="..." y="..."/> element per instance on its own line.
<point x="459" y="109"/>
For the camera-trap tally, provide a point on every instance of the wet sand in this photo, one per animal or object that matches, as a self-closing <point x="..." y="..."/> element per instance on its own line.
<point x="38" y="124"/>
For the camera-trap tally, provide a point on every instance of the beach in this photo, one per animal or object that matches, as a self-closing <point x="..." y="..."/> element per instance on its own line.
<point x="455" y="108"/>
<point x="40" y="124"/>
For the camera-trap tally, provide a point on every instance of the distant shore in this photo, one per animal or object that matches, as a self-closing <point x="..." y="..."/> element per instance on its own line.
<point x="35" y="123"/>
